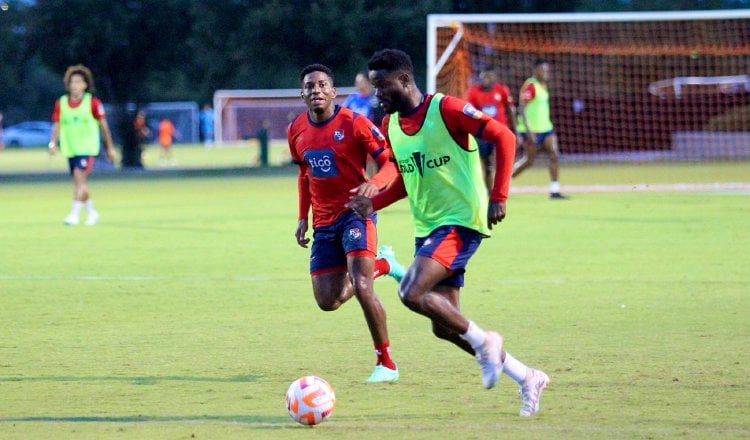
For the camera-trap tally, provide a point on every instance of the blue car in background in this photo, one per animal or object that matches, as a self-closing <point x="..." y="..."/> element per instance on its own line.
<point x="28" y="134"/>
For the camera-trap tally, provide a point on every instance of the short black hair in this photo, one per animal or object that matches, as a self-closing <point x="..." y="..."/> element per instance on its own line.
<point x="539" y="62"/>
<point x="316" y="68"/>
<point x="392" y="60"/>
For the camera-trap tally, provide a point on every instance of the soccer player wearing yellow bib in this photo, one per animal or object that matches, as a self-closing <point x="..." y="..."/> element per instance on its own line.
<point x="78" y="119"/>
<point x="434" y="145"/>
<point x="536" y="128"/>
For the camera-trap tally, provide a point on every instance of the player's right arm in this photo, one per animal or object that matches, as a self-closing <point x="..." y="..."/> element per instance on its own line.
<point x="303" y="190"/>
<point x="54" y="141"/>
<point x="527" y="95"/>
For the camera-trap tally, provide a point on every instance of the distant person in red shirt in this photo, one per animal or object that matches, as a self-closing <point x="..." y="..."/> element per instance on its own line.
<point x="330" y="144"/>
<point x="495" y="100"/>
<point x="166" y="139"/>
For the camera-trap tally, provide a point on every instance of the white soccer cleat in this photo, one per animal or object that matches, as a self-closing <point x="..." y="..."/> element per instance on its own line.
<point x="71" y="220"/>
<point x="488" y="357"/>
<point x="531" y="392"/>
<point x="383" y="374"/>
<point x="92" y="218"/>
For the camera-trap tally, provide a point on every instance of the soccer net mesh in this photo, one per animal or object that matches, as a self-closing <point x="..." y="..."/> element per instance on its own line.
<point x="635" y="86"/>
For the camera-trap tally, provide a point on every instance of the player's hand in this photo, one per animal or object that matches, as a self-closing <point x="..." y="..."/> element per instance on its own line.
<point x="111" y="154"/>
<point x="52" y="146"/>
<point x="495" y="213"/>
<point x="367" y="189"/>
<point x="361" y="205"/>
<point x="301" y="232"/>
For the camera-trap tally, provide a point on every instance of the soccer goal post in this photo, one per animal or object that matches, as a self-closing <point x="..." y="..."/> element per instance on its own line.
<point x="240" y="114"/>
<point x="624" y="86"/>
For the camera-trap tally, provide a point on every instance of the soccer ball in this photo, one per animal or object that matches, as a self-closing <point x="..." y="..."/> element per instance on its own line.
<point x="310" y="400"/>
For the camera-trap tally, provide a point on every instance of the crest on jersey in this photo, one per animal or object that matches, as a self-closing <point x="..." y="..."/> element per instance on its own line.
<point x="338" y="135"/>
<point x="355" y="233"/>
<point x="469" y="110"/>
<point x="377" y="133"/>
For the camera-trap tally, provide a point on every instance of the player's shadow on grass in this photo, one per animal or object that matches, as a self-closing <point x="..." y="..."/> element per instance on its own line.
<point x="135" y="380"/>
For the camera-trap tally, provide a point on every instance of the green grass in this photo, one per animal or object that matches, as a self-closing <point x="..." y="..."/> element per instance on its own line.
<point x="188" y="311"/>
<point x="37" y="160"/>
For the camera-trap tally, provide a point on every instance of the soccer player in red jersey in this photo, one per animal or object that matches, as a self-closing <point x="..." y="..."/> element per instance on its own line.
<point x="494" y="100"/>
<point x="330" y="144"/>
<point x="432" y="138"/>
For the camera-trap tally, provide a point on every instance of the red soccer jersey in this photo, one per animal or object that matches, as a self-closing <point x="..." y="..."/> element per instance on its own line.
<point x="493" y="103"/>
<point x="97" y="108"/>
<point x="462" y="120"/>
<point x="332" y="156"/>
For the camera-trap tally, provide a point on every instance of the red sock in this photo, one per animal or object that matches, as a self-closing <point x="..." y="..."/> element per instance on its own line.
<point x="382" y="267"/>
<point x="384" y="355"/>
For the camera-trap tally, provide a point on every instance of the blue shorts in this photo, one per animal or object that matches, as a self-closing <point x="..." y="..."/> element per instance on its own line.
<point x="350" y="235"/>
<point x="451" y="246"/>
<point x="540" y="137"/>
<point x="85" y="163"/>
<point x="485" y="148"/>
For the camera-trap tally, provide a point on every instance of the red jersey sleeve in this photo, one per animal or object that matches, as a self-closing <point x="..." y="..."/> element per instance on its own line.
<point x="56" y="112"/>
<point x="303" y="184"/>
<point x="97" y="109"/>
<point x="371" y="137"/>
<point x="528" y="93"/>
<point x="462" y="119"/>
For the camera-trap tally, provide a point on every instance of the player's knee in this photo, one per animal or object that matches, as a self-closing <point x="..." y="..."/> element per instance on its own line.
<point x="409" y="298"/>
<point x="328" y="305"/>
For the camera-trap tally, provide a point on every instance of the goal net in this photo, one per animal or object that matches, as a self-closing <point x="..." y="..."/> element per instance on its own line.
<point x="623" y="86"/>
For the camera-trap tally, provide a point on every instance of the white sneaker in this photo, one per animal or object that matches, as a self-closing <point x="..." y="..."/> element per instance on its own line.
<point x="92" y="218"/>
<point x="488" y="358"/>
<point x="71" y="220"/>
<point x="531" y="392"/>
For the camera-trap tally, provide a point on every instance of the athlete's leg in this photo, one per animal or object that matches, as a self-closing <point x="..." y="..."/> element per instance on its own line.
<point x="80" y="184"/>
<point x="451" y="294"/>
<point x="332" y="289"/>
<point x="552" y="148"/>
<point x="529" y="150"/>
<point x="361" y="270"/>
<point x="417" y="293"/>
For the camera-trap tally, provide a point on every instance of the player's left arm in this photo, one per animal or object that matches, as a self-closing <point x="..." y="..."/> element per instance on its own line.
<point x="101" y="116"/>
<point x="505" y="152"/>
<point x="462" y="120"/>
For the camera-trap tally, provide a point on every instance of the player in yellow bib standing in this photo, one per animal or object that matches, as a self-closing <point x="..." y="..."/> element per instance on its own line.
<point x="78" y="119"/>
<point x="435" y="149"/>
<point x="535" y="127"/>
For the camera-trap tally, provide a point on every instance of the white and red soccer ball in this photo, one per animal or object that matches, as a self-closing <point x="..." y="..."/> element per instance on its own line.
<point x="310" y="400"/>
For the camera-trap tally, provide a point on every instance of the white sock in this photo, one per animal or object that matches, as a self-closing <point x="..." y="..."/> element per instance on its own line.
<point x="554" y="187"/>
<point x="474" y="336"/>
<point x="514" y="368"/>
<point x="90" y="206"/>
<point x="76" y="210"/>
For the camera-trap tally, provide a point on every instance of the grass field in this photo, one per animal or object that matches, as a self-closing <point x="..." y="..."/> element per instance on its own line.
<point x="188" y="311"/>
<point x="187" y="156"/>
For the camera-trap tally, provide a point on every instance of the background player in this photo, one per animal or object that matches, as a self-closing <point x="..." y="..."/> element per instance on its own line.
<point x="536" y="128"/>
<point x="433" y="145"/>
<point x="78" y="119"/>
<point x="494" y="100"/>
<point x="330" y="145"/>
